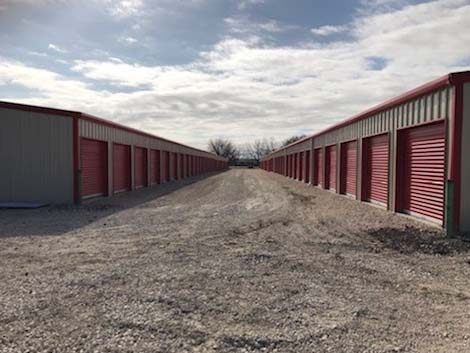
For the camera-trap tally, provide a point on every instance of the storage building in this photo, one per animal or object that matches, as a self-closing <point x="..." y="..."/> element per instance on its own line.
<point x="59" y="156"/>
<point x="408" y="154"/>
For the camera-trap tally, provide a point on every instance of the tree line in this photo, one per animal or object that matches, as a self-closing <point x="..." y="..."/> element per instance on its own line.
<point x="252" y="152"/>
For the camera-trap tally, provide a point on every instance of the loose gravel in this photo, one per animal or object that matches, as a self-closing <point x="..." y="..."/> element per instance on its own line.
<point x="241" y="261"/>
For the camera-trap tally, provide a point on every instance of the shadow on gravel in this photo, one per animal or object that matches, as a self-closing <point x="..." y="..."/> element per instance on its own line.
<point x="60" y="219"/>
<point x="412" y="240"/>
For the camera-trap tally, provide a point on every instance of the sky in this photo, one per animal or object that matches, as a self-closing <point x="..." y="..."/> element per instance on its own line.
<point x="192" y="70"/>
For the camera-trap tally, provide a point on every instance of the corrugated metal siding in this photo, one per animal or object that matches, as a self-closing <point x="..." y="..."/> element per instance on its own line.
<point x="433" y="106"/>
<point x="36" y="157"/>
<point x="94" y="130"/>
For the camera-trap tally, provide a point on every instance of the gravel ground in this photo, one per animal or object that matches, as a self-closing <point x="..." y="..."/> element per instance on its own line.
<point x="242" y="261"/>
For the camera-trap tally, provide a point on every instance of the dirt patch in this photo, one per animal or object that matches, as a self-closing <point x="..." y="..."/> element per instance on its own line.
<point x="412" y="240"/>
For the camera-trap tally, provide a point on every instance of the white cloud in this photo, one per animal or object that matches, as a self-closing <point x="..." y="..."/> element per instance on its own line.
<point x="327" y="30"/>
<point x="244" y="4"/>
<point x="124" y="8"/>
<point x="128" y="40"/>
<point x="36" y="53"/>
<point x="244" y="25"/>
<point x="57" y="49"/>
<point x="116" y="71"/>
<point x="244" y="88"/>
<point x="49" y="84"/>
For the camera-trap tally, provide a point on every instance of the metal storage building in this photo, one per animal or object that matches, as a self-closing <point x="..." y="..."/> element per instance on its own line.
<point x="408" y="155"/>
<point x="59" y="156"/>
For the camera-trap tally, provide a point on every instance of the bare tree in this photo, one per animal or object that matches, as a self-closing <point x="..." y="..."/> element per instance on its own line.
<point x="260" y="148"/>
<point x="224" y="148"/>
<point x="292" y="139"/>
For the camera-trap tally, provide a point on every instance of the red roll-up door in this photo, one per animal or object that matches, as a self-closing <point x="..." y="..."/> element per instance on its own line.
<point x="155" y="158"/>
<point x="186" y="169"/>
<point x="121" y="167"/>
<point x="288" y="166"/>
<point x="174" y="166"/>
<point x="318" y="167"/>
<point x="376" y="169"/>
<point x="190" y="165"/>
<point x="349" y="168"/>
<point x="181" y="168"/>
<point x="140" y="167"/>
<point x="307" y="167"/>
<point x="94" y="167"/>
<point x="422" y="181"/>
<point x="165" y="168"/>
<point x="330" y="180"/>
<point x="291" y="165"/>
<point x="301" y="166"/>
<point x="294" y="171"/>
<point x="168" y="167"/>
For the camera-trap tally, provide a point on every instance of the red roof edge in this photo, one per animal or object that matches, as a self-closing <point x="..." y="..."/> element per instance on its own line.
<point x="449" y="79"/>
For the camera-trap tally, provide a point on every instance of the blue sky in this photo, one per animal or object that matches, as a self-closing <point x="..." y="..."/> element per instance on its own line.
<point x="243" y="69"/>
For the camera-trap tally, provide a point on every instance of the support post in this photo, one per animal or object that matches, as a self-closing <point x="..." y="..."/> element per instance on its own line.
<point x="449" y="209"/>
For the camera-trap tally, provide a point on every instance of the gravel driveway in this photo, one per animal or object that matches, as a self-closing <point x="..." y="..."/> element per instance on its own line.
<point x="242" y="261"/>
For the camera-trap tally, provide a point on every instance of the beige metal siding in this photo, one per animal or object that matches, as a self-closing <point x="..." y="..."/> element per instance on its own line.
<point x="300" y="147"/>
<point x="465" y="173"/>
<point x="36" y="157"/>
<point x="102" y="132"/>
<point x="430" y="107"/>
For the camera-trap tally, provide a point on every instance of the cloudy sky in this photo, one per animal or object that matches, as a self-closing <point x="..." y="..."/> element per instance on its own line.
<point x="191" y="70"/>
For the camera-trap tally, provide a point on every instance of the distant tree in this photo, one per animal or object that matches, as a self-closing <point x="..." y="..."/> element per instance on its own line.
<point x="292" y="139"/>
<point x="260" y="148"/>
<point x="224" y="148"/>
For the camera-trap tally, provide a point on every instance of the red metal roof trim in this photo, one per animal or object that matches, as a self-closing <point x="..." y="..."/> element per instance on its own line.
<point x="449" y="79"/>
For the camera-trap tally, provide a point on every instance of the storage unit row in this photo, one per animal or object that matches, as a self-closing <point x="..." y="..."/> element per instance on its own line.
<point x="408" y="155"/>
<point x="57" y="156"/>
